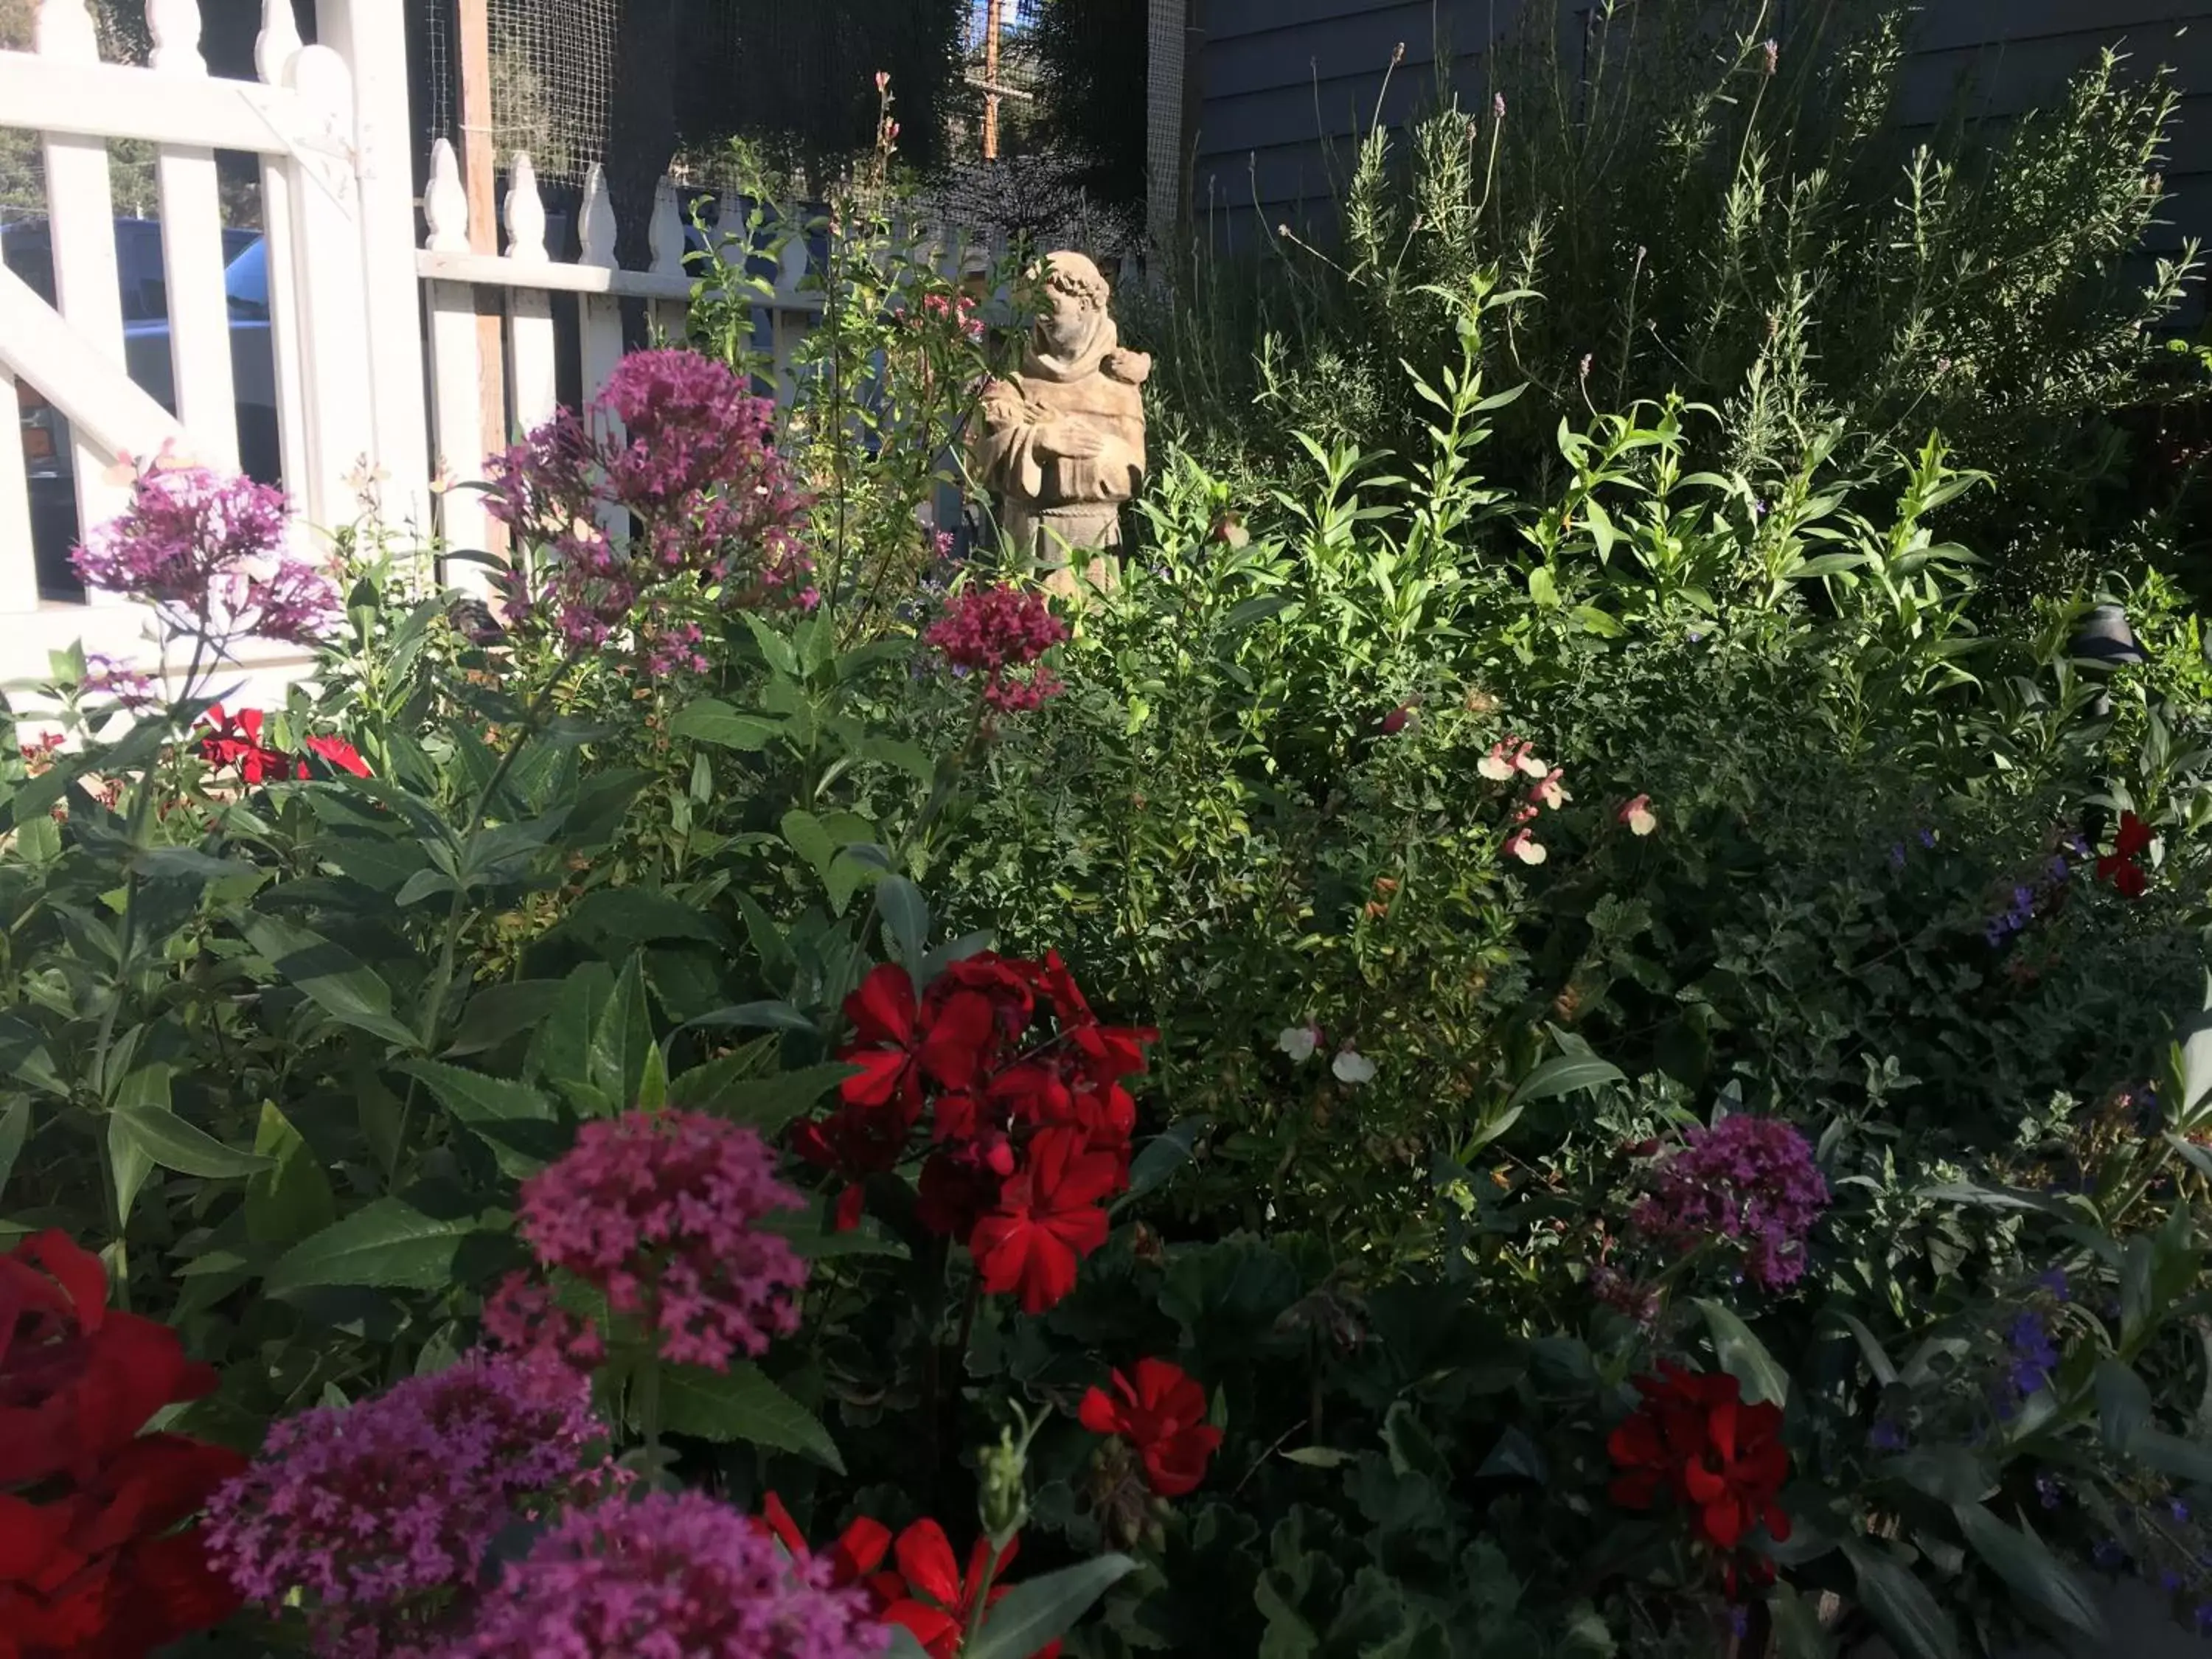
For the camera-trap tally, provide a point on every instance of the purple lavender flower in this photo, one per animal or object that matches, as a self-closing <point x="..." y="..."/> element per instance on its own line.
<point x="674" y="1573"/>
<point x="2046" y="1488"/>
<point x="373" y="1509"/>
<point x="2053" y="1280"/>
<point x="1888" y="1435"/>
<point x="2201" y="1620"/>
<point x="2108" y="1556"/>
<point x="1897" y="855"/>
<point x="2060" y="871"/>
<point x="1750" y="1180"/>
<point x="2178" y="1509"/>
<point x="1927" y="838"/>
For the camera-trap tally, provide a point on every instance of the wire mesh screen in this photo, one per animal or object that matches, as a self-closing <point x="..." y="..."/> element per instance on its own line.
<point x="552" y="72"/>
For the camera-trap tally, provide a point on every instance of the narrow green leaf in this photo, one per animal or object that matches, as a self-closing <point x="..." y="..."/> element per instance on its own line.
<point x="129" y="1162"/>
<point x="292" y="1198"/>
<point x="475" y="1098"/>
<point x="1797" y="1632"/>
<point x="386" y="1243"/>
<point x="1948" y="1473"/>
<point x="2124" y="1404"/>
<point x="1164" y="1154"/>
<point x="906" y="916"/>
<point x="1900" y="1604"/>
<point x="622" y="1038"/>
<point x="709" y="721"/>
<point x="1563" y="1074"/>
<point x="2184" y="1460"/>
<point x="176" y="1145"/>
<point x="14" y="1130"/>
<point x="496" y="1012"/>
<point x="1744" y="1357"/>
<point x="741" y="1404"/>
<point x="1042" y="1610"/>
<point x="2021" y="1559"/>
<point x="331" y="978"/>
<point x="1877" y="1357"/>
<point x="763" y="1103"/>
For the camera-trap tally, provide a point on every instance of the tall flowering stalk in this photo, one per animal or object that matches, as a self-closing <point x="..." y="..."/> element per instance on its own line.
<point x="1749" y="1182"/>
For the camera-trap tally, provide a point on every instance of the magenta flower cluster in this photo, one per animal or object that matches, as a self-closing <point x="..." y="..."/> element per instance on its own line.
<point x="669" y="1576"/>
<point x="660" y="1210"/>
<point x="665" y="485"/>
<point x="1748" y="1180"/>
<point x="994" y="631"/>
<point x="209" y="553"/>
<point x="380" y="1510"/>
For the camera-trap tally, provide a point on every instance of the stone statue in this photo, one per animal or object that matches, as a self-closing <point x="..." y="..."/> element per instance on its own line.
<point x="1062" y="442"/>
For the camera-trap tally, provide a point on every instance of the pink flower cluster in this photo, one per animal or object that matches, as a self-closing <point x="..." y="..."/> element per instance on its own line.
<point x="958" y="310"/>
<point x="660" y="1212"/>
<point x="994" y="630"/>
<point x="675" y="448"/>
<point x="670" y="1574"/>
<point x="209" y="552"/>
<point x="375" y="1510"/>
<point x="1748" y="1180"/>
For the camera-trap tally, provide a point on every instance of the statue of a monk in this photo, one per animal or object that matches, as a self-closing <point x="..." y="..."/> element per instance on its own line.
<point x="1062" y="442"/>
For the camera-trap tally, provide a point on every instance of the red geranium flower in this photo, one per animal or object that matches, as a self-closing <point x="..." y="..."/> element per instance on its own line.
<point x="930" y="1596"/>
<point x="899" y="1043"/>
<point x="1047" y="1220"/>
<point x="77" y="1381"/>
<point x="339" y="753"/>
<point x="235" y="740"/>
<point x="1694" y="1437"/>
<point x="99" y="1571"/>
<point x="2119" y="867"/>
<point x="1163" y="1414"/>
<point x="858" y="1550"/>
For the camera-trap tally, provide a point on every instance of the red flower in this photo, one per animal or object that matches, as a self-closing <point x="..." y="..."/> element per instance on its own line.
<point x="1162" y="1415"/>
<point x="77" y="1381"/>
<point x="99" y="1572"/>
<point x="933" y="1598"/>
<point x="235" y="740"/>
<point x="858" y="1550"/>
<point x="339" y="753"/>
<point x="1693" y="1437"/>
<point x="899" y="1044"/>
<point x="2119" y="867"/>
<point x="1047" y="1220"/>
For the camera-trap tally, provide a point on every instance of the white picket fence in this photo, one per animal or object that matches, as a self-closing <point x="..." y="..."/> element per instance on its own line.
<point x="375" y="340"/>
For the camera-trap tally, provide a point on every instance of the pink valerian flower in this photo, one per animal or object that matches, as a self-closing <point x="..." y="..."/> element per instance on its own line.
<point x="1750" y="1181"/>
<point x="379" y="1511"/>
<point x="994" y="631"/>
<point x="1638" y="815"/>
<point x="672" y="1573"/>
<point x="958" y="310"/>
<point x="210" y="554"/>
<point x="675" y="451"/>
<point x="660" y="1210"/>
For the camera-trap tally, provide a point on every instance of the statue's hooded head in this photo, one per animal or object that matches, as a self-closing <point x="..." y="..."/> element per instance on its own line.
<point x="1073" y="327"/>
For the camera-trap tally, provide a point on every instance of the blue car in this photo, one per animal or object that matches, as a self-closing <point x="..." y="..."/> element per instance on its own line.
<point x="48" y="461"/>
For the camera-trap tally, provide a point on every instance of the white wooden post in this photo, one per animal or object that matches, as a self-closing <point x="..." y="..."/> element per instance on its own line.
<point x="530" y="310"/>
<point x="81" y="217"/>
<point x="192" y="258"/>
<point x="332" y="307"/>
<point x="600" y="313"/>
<point x="19" y="577"/>
<point x="371" y="36"/>
<point x="670" y="316"/>
<point x="789" y="322"/>
<point x="453" y="368"/>
<point x="274" y="50"/>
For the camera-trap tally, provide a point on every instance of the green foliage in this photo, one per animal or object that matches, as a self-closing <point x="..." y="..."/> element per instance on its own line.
<point x="1695" y="209"/>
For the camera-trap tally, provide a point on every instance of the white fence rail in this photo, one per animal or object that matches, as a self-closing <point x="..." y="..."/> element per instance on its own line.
<point x="381" y="349"/>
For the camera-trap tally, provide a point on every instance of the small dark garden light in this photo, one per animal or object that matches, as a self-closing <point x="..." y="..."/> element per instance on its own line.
<point x="2103" y="642"/>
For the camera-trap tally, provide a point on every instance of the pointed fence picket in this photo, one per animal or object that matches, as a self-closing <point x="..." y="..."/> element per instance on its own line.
<point x="373" y="328"/>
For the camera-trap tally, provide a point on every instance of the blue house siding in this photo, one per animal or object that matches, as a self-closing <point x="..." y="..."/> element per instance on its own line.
<point x="1288" y="86"/>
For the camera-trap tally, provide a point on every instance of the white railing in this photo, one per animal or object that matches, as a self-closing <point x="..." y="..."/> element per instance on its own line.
<point x="383" y="350"/>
